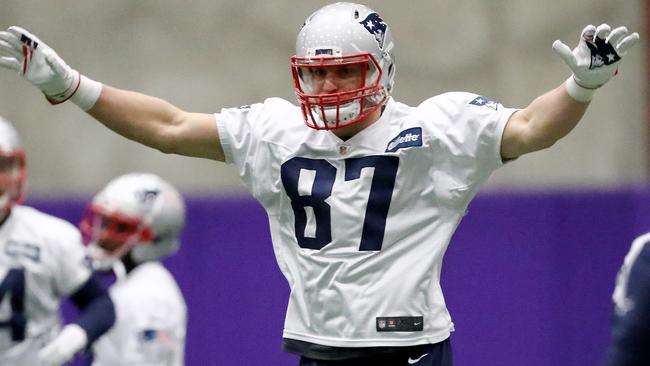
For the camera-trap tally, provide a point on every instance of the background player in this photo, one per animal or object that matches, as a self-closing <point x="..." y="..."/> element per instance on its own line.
<point x="631" y="327"/>
<point x="42" y="261"/>
<point x="130" y="225"/>
<point x="362" y="267"/>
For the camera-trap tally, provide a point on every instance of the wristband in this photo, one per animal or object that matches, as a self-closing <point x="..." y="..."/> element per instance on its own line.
<point x="87" y="93"/>
<point x="577" y="92"/>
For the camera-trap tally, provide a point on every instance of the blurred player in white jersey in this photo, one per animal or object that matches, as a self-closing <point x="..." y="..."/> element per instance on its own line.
<point x="363" y="192"/>
<point x="130" y="225"/>
<point x="42" y="261"/>
<point x="630" y="344"/>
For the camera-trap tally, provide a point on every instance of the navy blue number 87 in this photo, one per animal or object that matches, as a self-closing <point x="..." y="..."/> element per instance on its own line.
<point x="381" y="190"/>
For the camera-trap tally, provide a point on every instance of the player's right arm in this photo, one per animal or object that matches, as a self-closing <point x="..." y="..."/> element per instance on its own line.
<point x="158" y="124"/>
<point x="142" y="118"/>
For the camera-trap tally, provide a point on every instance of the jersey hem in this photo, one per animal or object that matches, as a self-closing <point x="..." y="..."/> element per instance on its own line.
<point x="350" y="343"/>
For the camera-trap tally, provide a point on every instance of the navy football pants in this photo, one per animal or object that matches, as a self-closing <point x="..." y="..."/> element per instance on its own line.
<point x="438" y="354"/>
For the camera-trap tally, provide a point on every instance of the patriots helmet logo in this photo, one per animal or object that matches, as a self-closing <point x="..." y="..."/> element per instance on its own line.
<point x="147" y="196"/>
<point x="376" y="26"/>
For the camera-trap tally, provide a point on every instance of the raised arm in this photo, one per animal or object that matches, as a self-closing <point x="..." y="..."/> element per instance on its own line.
<point x="142" y="118"/>
<point x="158" y="124"/>
<point x="554" y="114"/>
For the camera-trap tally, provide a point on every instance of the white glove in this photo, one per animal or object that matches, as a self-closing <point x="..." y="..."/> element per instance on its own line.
<point x="595" y="59"/>
<point x="37" y="62"/>
<point x="61" y="349"/>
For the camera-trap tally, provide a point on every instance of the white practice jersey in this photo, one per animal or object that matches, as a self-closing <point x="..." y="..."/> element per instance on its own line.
<point x="359" y="227"/>
<point x="151" y="321"/>
<point x="42" y="260"/>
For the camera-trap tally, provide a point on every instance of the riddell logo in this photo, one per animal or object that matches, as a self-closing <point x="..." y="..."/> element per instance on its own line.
<point x="406" y="138"/>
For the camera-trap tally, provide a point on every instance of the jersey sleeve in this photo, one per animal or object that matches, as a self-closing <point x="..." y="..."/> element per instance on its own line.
<point x="70" y="267"/>
<point x="239" y="132"/>
<point x="468" y="131"/>
<point x="631" y="325"/>
<point x="249" y="133"/>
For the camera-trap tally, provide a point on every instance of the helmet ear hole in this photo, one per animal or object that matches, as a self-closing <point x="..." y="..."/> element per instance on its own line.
<point x="391" y="71"/>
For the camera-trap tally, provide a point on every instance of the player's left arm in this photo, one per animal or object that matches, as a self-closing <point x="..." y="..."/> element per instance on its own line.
<point x="72" y="278"/>
<point x="97" y="312"/>
<point x="554" y="114"/>
<point x="97" y="316"/>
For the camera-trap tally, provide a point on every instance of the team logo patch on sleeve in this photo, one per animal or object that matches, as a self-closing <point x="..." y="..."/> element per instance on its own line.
<point x="407" y="138"/>
<point x="482" y="101"/>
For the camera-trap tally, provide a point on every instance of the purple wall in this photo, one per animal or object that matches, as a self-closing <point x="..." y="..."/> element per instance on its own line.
<point x="528" y="277"/>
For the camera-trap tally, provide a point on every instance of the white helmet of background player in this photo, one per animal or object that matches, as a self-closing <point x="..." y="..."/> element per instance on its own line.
<point x="12" y="166"/>
<point x="343" y="34"/>
<point x="137" y="213"/>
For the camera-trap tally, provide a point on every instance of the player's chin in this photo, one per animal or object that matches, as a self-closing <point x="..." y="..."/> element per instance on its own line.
<point x="109" y="246"/>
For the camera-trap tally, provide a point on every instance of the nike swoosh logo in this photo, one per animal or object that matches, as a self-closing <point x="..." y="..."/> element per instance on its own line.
<point x="414" y="361"/>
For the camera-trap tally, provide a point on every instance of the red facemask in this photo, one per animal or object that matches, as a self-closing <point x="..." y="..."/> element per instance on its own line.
<point x="12" y="178"/>
<point x="335" y="92"/>
<point x="114" y="232"/>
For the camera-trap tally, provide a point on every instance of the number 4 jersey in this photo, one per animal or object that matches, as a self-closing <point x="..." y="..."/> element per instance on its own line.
<point x="359" y="227"/>
<point x="41" y="261"/>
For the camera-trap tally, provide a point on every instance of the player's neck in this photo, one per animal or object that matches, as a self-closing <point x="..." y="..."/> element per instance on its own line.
<point x="129" y="263"/>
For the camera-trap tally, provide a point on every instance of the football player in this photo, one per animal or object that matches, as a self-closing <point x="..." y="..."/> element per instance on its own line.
<point x="130" y="225"/>
<point x="630" y="345"/>
<point x="42" y="260"/>
<point x="363" y="192"/>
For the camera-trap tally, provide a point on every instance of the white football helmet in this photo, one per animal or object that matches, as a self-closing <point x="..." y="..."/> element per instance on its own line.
<point x="137" y="213"/>
<point x="343" y="34"/>
<point x="12" y="166"/>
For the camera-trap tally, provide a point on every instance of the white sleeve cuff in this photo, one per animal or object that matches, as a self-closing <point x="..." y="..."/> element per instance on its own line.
<point x="87" y="94"/>
<point x="577" y="92"/>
